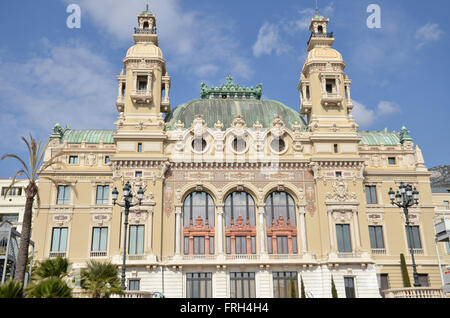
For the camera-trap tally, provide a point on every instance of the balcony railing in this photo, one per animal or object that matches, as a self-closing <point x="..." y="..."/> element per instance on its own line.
<point x="57" y="254"/>
<point x="145" y="31"/>
<point x="241" y="256"/>
<point x="418" y="292"/>
<point x="417" y="251"/>
<point x="349" y="255"/>
<point x="285" y="256"/>
<point x="379" y="251"/>
<point x="99" y="254"/>
<point x="320" y="35"/>
<point x="135" y="294"/>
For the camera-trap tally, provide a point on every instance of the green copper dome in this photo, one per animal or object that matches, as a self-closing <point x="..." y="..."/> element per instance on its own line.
<point x="226" y="110"/>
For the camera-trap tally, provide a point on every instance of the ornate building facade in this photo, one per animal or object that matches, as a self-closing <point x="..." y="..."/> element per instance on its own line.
<point x="244" y="197"/>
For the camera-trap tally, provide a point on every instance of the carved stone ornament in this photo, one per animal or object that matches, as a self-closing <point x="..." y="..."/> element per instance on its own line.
<point x="239" y="126"/>
<point x="341" y="193"/>
<point x="342" y="216"/>
<point x="91" y="159"/>
<point x="100" y="219"/>
<point x="375" y="218"/>
<point x="61" y="219"/>
<point x="278" y="129"/>
<point x="316" y="170"/>
<point x="199" y="126"/>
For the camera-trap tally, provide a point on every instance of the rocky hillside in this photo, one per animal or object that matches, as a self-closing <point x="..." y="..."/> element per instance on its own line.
<point x="440" y="177"/>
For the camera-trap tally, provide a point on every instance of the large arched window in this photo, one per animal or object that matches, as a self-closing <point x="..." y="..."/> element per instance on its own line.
<point x="240" y="229"/>
<point x="198" y="224"/>
<point x="281" y="224"/>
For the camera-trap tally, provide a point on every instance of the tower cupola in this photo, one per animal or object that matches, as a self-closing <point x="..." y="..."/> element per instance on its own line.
<point x="319" y="33"/>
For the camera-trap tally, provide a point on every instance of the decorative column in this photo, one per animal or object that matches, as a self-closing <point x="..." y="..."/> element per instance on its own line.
<point x="355" y="224"/>
<point x="150" y="227"/>
<point x="302" y="212"/>
<point x="178" y="214"/>
<point x="332" y="238"/>
<point x="262" y="230"/>
<point x="149" y="82"/>
<point x="219" y="212"/>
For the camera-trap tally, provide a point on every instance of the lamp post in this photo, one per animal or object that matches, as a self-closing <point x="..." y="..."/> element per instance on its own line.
<point x="127" y="198"/>
<point x="405" y="198"/>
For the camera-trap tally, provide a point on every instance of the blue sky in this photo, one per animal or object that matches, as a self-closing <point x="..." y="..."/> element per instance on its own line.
<point x="50" y="73"/>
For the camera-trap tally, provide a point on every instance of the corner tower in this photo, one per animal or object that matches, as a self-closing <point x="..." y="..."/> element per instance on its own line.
<point x="325" y="93"/>
<point x="143" y="93"/>
<point x="144" y="83"/>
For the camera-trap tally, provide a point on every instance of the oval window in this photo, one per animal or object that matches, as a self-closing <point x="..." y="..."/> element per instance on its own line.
<point x="278" y="145"/>
<point x="239" y="144"/>
<point x="199" y="145"/>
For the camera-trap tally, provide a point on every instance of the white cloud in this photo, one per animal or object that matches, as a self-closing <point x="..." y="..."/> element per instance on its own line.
<point x="428" y="33"/>
<point x="365" y="116"/>
<point x="70" y="84"/>
<point x="189" y="39"/>
<point x="269" y="41"/>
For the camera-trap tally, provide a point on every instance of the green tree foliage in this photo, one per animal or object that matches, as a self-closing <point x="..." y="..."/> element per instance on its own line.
<point x="48" y="280"/>
<point x="11" y="289"/>
<point x="30" y="169"/>
<point x="52" y="287"/>
<point x="404" y="269"/>
<point x="334" y="293"/>
<point x="293" y="289"/>
<point x="302" y="288"/>
<point x="100" y="280"/>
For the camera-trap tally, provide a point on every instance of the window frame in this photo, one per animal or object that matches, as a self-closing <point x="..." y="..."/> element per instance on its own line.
<point x="101" y="236"/>
<point x="134" y="280"/>
<point x="137" y="247"/>
<point x="371" y="194"/>
<point x="350" y="291"/>
<point x="202" y="279"/>
<point x="59" y="250"/>
<point x="102" y="201"/>
<point x="66" y="196"/>
<point x="344" y="226"/>
<point x="285" y="278"/>
<point x="409" y="231"/>
<point x="76" y="162"/>
<point x="238" y="280"/>
<point x="377" y="235"/>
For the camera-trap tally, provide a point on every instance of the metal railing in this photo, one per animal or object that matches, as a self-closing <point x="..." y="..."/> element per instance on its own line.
<point x="145" y="31"/>
<point x="418" y="292"/>
<point x="320" y="35"/>
<point x="242" y="256"/>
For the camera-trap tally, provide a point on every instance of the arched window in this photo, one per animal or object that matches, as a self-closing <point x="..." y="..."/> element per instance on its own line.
<point x="320" y="29"/>
<point x="240" y="229"/>
<point x="281" y="224"/>
<point x="146" y="25"/>
<point x="198" y="224"/>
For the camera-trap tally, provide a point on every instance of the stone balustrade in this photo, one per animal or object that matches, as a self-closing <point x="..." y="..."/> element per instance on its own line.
<point x="421" y="292"/>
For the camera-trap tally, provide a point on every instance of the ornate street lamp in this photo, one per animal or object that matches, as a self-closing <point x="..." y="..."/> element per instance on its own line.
<point x="405" y="198"/>
<point x="127" y="197"/>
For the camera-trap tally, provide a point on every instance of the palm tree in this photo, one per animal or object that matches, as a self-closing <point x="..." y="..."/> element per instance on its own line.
<point x="51" y="287"/>
<point x="52" y="267"/>
<point x="47" y="280"/>
<point x="11" y="289"/>
<point x="100" y="280"/>
<point x="36" y="156"/>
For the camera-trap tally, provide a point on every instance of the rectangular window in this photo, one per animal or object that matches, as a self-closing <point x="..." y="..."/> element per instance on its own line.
<point x="142" y="83"/>
<point x="338" y="174"/>
<point x="199" y="285"/>
<point x="269" y="245"/>
<point x="423" y="280"/>
<point x="391" y="161"/>
<point x="211" y="245"/>
<point x="330" y="83"/>
<point x="199" y="245"/>
<point x="14" y="191"/>
<point x="102" y="195"/>
<point x="73" y="160"/>
<point x="136" y="241"/>
<point x="336" y="148"/>
<point x="63" y="195"/>
<point x="285" y="285"/>
<point x="242" y="285"/>
<point x="107" y="160"/>
<point x="349" y="283"/>
<point x="11" y="218"/>
<point x="139" y="147"/>
<point x="343" y="238"/>
<point x="59" y="239"/>
<point x="186" y="245"/>
<point x="282" y="245"/>
<point x="371" y="195"/>
<point x="138" y="174"/>
<point x="413" y="236"/>
<point x="241" y="245"/>
<point x="99" y="239"/>
<point x="376" y="236"/>
<point x="447" y="247"/>
<point x="383" y="283"/>
<point x="134" y="284"/>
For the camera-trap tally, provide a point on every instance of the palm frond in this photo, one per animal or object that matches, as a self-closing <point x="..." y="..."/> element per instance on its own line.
<point x="20" y="160"/>
<point x="13" y="182"/>
<point x="56" y="183"/>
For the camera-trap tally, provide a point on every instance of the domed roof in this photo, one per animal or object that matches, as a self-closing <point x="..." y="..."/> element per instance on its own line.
<point x="226" y="110"/>
<point x="324" y="53"/>
<point x="144" y="50"/>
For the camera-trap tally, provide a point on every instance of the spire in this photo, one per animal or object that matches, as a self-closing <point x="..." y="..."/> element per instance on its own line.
<point x="319" y="34"/>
